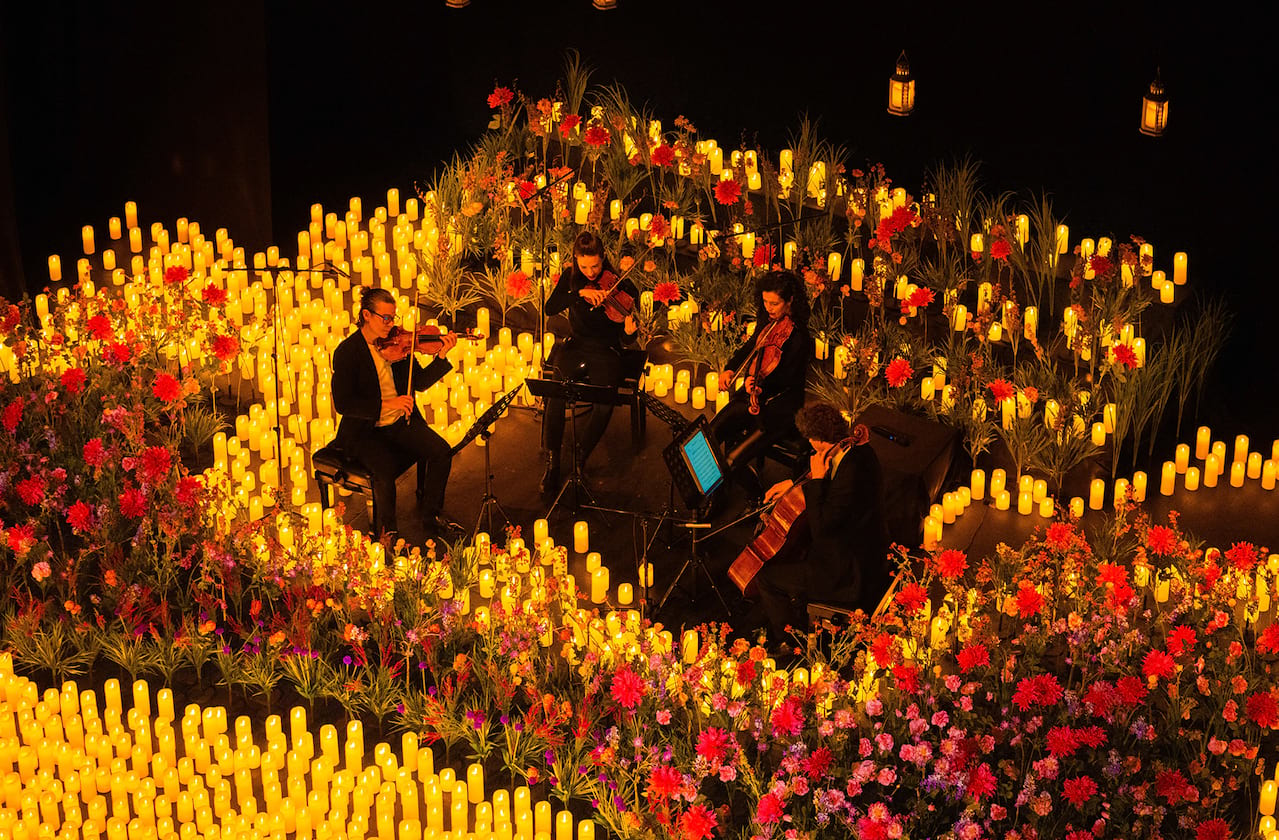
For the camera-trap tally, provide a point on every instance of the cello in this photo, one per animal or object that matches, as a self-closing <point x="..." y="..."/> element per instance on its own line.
<point x="778" y="530"/>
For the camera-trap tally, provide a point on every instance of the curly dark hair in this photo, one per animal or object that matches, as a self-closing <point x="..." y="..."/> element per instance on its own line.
<point x="822" y="421"/>
<point x="370" y="295"/>
<point x="787" y="286"/>
<point x="587" y="244"/>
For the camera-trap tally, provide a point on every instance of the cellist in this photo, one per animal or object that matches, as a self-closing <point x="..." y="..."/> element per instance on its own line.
<point x="768" y="374"/>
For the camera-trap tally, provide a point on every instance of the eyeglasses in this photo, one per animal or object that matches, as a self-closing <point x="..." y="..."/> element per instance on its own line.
<point x="387" y="318"/>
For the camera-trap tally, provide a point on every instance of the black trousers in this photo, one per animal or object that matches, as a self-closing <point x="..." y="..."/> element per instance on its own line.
<point x="743" y="438"/>
<point x="581" y="361"/>
<point x="388" y="450"/>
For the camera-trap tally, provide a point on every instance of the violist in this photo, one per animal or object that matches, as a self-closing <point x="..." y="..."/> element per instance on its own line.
<point x="768" y="374"/>
<point x="592" y="353"/>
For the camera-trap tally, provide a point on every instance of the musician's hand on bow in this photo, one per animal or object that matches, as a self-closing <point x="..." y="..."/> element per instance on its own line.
<point x="778" y="490"/>
<point x="593" y="296"/>
<point x="726" y="377"/>
<point x="403" y="404"/>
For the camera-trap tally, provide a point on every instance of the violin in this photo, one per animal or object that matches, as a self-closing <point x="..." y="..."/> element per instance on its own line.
<point x="764" y="358"/>
<point x="618" y="303"/>
<point x="428" y="338"/>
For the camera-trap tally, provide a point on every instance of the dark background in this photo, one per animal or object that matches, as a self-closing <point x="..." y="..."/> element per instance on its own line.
<point x="244" y="113"/>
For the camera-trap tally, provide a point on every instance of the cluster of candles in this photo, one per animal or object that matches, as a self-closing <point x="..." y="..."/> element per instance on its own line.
<point x="142" y="774"/>
<point x="1245" y="464"/>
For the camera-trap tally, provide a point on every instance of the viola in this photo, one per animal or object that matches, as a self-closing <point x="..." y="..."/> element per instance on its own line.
<point x="617" y="303"/>
<point x="765" y="357"/>
<point x="428" y="338"/>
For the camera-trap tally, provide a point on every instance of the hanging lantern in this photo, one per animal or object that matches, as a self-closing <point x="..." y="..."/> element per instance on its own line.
<point x="457" y="4"/>
<point x="604" y="5"/>
<point x="1154" y="109"/>
<point x="901" y="89"/>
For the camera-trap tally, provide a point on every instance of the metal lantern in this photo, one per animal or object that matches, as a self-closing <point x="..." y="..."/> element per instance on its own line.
<point x="457" y="4"/>
<point x="604" y="5"/>
<point x="1154" y="109"/>
<point x="901" y="89"/>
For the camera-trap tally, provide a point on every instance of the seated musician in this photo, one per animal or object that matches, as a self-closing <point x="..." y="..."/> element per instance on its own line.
<point x="842" y="557"/>
<point x="380" y="422"/>
<point x="772" y="366"/>
<point x="592" y="351"/>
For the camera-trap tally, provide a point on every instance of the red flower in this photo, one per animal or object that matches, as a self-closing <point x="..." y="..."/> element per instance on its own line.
<point x="920" y="298"/>
<point x="712" y="744"/>
<point x="598" y="136"/>
<point x="73" y="380"/>
<point x="188" y="491"/>
<point x="80" y="517"/>
<point x="898" y="372"/>
<point x="12" y="315"/>
<point x="788" y="718"/>
<point x="1100" y="265"/>
<point x="628" y="688"/>
<point x="12" y="415"/>
<point x="99" y="327"/>
<point x="518" y="284"/>
<point x="907" y="677"/>
<point x="727" y="192"/>
<point x="950" y="563"/>
<point x="1000" y="249"/>
<point x="1043" y="690"/>
<point x="1062" y="741"/>
<point x="666" y="293"/>
<point x="1158" y="664"/>
<point x="1131" y="690"/>
<point x="118" y="353"/>
<point x="1111" y="574"/>
<point x="745" y="672"/>
<point x="31" y="490"/>
<point x="818" y="763"/>
<point x="214" y="295"/>
<point x="1029" y="601"/>
<point x="1002" y="389"/>
<point x="1179" y="639"/>
<point x="1172" y="786"/>
<point x="659" y="228"/>
<point x="882" y="649"/>
<point x="769" y="810"/>
<point x="1079" y="790"/>
<point x="225" y="347"/>
<point x="1268" y="641"/>
<point x="22" y="538"/>
<point x="981" y="781"/>
<point x="132" y="503"/>
<point x="664" y="781"/>
<point x="1262" y="709"/>
<point x="974" y="655"/>
<point x="175" y="274"/>
<point x="527" y="189"/>
<point x="663" y="155"/>
<point x="1213" y="829"/>
<point x="166" y="388"/>
<point x="763" y="256"/>
<point x="1125" y="356"/>
<point x="697" y="823"/>
<point x="1101" y="696"/>
<point x="569" y="123"/>
<point x="500" y="97"/>
<point x="1243" y="556"/>
<point x="1161" y="540"/>
<point x="156" y="461"/>
<point x="95" y="454"/>
<point x="911" y="598"/>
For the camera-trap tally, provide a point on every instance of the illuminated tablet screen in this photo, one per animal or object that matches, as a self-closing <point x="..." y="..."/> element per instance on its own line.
<point x="701" y="463"/>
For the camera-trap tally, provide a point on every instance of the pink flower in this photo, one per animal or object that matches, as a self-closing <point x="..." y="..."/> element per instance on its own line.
<point x="1262" y="709"/>
<point x="99" y="327"/>
<point x="972" y="656"/>
<point x="95" y="453"/>
<point x="31" y="490"/>
<point x="1159" y="664"/>
<point x="664" y="781"/>
<point x="712" y="744"/>
<point x="132" y="503"/>
<point x="41" y="571"/>
<point x="156" y="461"/>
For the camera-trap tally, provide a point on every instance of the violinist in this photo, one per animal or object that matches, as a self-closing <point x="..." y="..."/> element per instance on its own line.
<point x="372" y="373"/>
<point x="842" y="554"/>
<point x="601" y="322"/>
<point x="767" y="376"/>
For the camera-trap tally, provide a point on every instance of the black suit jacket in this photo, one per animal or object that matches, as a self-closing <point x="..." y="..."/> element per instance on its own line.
<point x="357" y="395"/>
<point x="847" y="557"/>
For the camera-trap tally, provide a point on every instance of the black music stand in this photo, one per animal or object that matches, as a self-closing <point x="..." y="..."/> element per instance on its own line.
<point x="483" y="428"/>
<point x="573" y="393"/>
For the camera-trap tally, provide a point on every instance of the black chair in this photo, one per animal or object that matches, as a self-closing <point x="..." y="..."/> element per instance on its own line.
<point x="333" y="467"/>
<point x="634" y="361"/>
<point x="791" y="452"/>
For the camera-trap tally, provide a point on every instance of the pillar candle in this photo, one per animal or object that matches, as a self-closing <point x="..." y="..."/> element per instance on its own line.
<point x="1237" y="473"/>
<point x="1268" y="475"/>
<point x="1168" y="479"/>
<point x="1139" y="486"/>
<point x="1046" y="507"/>
<point x="978" y="484"/>
<point x="1096" y="494"/>
<point x="581" y="537"/>
<point x="1077" y="507"/>
<point x="1203" y="443"/>
<point x="1182" y="458"/>
<point x="1002" y="499"/>
<point x="1179" y="268"/>
<point x="1212" y="470"/>
<point x="1025" y="503"/>
<point x="1269" y="790"/>
<point x="599" y="585"/>
<point x="1254" y="465"/>
<point x="1192" y="478"/>
<point x="539" y="531"/>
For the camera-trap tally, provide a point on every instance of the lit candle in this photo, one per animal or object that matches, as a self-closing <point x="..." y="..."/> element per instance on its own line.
<point x="997" y="480"/>
<point x="1268" y="792"/>
<point x="1212" y="470"/>
<point x="55" y="268"/>
<point x="1099" y="434"/>
<point x="1268" y="475"/>
<point x="689" y="646"/>
<point x="1203" y="443"/>
<point x="599" y="585"/>
<point x="1192" y="478"/>
<point x="856" y="273"/>
<point x="539" y="531"/>
<point x="1182" y="457"/>
<point x="932" y="532"/>
<point x="1237" y="473"/>
<point x="581" y="537"/>
<point x="977" y="484"/>
<point x="1168" y="479"/>
<point x="1139" y="486"/>
<point x="625" y="594"/>
<point x="1002" y="500"/>
<point x="1025" y="503"/>
<point x="1179" y="268"/>
<point x="1254" y="465"/>
<point x="1096" y="494"/>
<point x="1077" y="507"/>
<point x="1046" y="508"/>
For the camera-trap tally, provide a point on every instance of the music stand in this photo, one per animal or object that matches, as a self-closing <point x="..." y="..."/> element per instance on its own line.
<point x="483" y="428"/>
<point x="697" y="471"/>
<point x="572" y="393"/>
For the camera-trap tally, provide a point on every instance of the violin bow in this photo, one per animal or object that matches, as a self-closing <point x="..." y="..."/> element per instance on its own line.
<point x="417" y="293"/>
